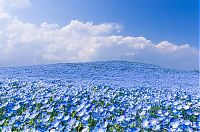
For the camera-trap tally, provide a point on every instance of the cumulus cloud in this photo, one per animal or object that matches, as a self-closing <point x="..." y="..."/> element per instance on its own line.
<point x="25" y="43"/>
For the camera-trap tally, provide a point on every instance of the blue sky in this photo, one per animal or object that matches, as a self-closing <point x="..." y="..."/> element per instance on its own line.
<point x="158" y="20"/>
<point x="160" y="32"/>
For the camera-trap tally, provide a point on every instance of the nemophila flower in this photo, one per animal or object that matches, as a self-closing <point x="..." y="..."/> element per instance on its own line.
<point x="145" y="123"/>
<point x="45" y="101"/>
<point x="55" y="123"/>
<point x="198" y="125"/>
<point x="16" y="107"/>
<point x="111" y="108"/>
<point x="87" y="105"/>
<point x="166" y="113"/>
<point x="33" y="115"/>
<point x="142" y="113"/>
<point x="6" y="129"/>
<point x="104" y="124"/>
<point x="72" y="121"/>
<point x="66" y="118"/>
<point x="86" y="129"/>
<point x="4" y="104"/>
<point x="120" y="118"/>
<point x="76" y="124"/>
<point x="59" y="116"/>
<point x="17" y="124"/>
<point x="187" y="122"/>
<point x="195" y="113"/>
<point x="189" y="112"/>
<point x="53" y="130"/>
<point x="67" y="129"/>
<point x="186" y="107"/>
<point x="2" y="121"/>
<point x="179" y="107"/>
<point x="153" y="121"/>
<point x="156" y="127"/>
<point x="81" y="113"/>
<point x="50" y="109"/>
<point x="127" y="119"/>
<point x="46" y="118"/>
<point x="159" y="112"/>
<point x="174" y="124"/>
<point x="79" y="107"/>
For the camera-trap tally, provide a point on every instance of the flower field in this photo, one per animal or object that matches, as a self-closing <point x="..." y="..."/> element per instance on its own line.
<point x="99" y="97"/>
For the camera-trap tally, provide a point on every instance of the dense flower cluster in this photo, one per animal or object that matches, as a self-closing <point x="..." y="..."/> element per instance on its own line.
<point x="39" y="105"/>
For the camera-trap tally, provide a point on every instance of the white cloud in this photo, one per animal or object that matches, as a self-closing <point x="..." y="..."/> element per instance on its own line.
<point x="25" y="43"/>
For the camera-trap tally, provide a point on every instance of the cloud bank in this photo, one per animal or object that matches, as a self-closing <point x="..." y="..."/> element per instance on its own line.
<point x="25" y="44"/>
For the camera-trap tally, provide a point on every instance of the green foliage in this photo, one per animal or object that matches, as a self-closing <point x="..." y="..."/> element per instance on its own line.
<point x="115" y="128"/>
<point x="31" y="122"/>
<point x="92" y="122"/>
<point x="51" y="99"/>
<point x="73" y="115"/>
<point x="80" y="127"/>
<point x="153" y="110"/>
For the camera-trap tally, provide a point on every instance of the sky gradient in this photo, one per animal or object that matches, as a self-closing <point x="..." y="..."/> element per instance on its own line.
<point x="174" y="20"/>
<point x="161" y="32"/>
